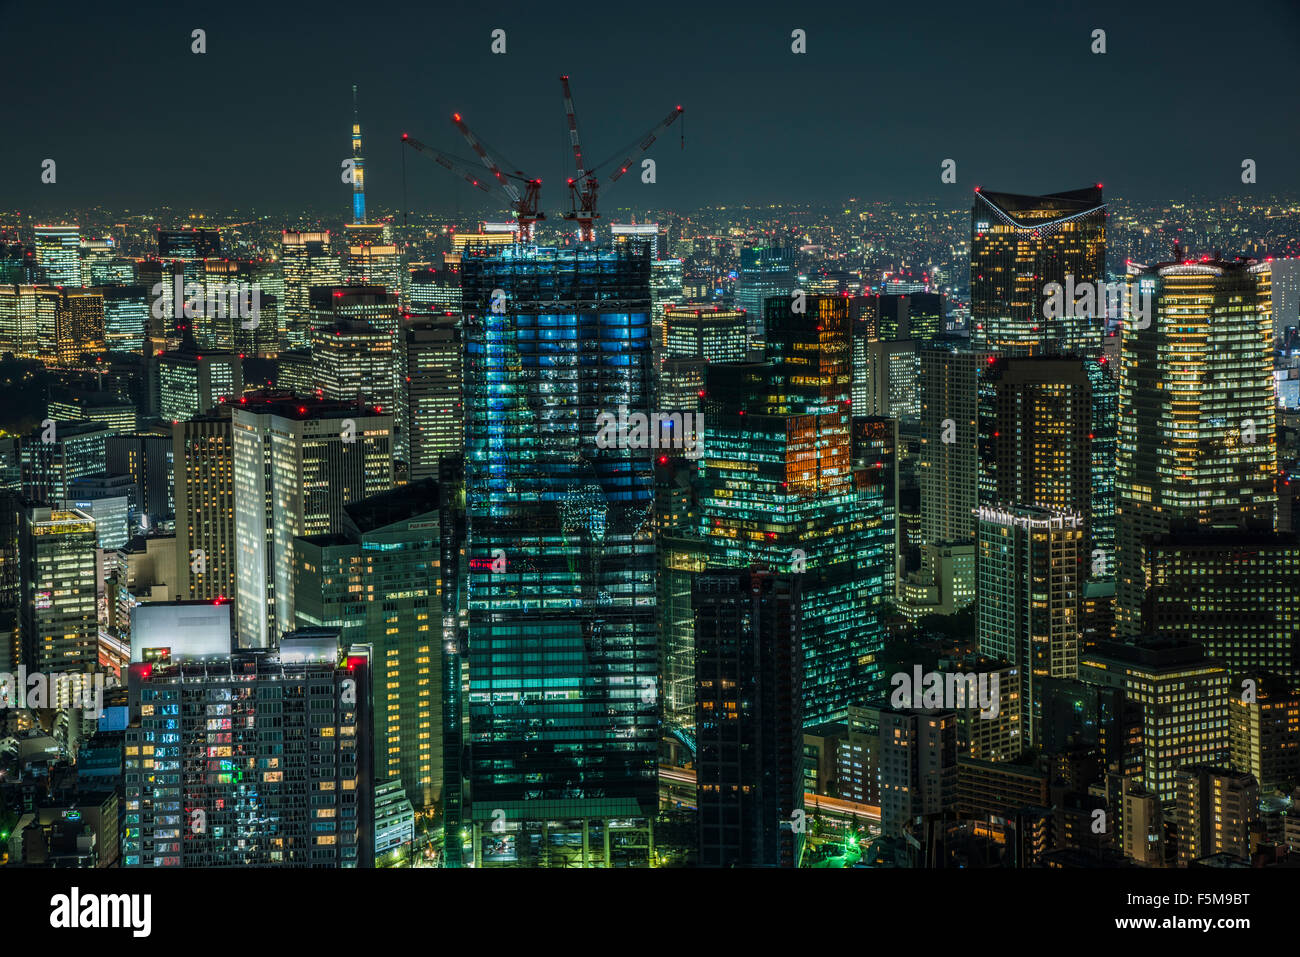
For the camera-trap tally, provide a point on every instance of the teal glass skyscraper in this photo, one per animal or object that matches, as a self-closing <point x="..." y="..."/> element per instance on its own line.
<point x="563" y="709"/>
<point x="778" y="488"/>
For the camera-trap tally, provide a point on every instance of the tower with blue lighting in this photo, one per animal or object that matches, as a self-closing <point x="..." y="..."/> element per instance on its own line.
<point x="563" y="696"/>
<point x="358" y="166"/>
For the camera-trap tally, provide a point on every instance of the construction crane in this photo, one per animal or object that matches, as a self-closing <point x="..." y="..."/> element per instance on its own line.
<point x="525" y="204"/>
<point x="585" y="183"/>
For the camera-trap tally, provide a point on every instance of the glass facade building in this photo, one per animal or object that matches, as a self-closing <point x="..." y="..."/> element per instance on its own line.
<point x="563" y="702"/>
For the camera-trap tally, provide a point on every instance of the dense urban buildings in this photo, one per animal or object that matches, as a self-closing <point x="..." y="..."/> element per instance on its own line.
<point x="746" y="521"/>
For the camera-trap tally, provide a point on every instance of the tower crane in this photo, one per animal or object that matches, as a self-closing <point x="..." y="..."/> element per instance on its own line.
<point x="525" y="204"/>
<point x="585" y="183"/>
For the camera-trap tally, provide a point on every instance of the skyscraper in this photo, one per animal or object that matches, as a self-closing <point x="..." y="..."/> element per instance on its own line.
<point x="378" y="580"/>
<point x="297" y="463"/>
<point x="1019" y="245"/>
<point x="356" y="343"/>
<point x="765" y="272"/>
<point x="306" y="262"/>
<point x="1235" y="592"/>
<point x="748" y="718"/>
<point x="192" y="381"/>
<point x="205" y="506"/>
<point x="563" y="702"/>
<point x="433" y="394"/>
<point x="58" y="252"/>
<point x="777" y="488"/>
<point x="1036" y="437"/>
<point x="1183" y="700"/>
<point x="1196" y="439"/>
<point x="1029" y="566"/>
<point x="281" y="745"/>
<point x="59" y="615"/>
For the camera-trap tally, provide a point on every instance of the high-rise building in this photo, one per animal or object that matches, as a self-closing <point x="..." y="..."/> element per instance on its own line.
<point x="56" y="453"/>
<point x="189" y="244"/>
<point x="1035" y="440"/>
<point x="433" y="394"/>
<point x="765" y="272"/>
<point x="192" y="381"/>
<point x="58" y="253"/>
<point x="628" y="234"/>
<point x="306" y="262"/>
<point x="1216" y="808"/>
<point x="28" y="315"/>
<point x="892" y="388"/>
<point x="563" y="713"/>
<point x="298" y="462"/>
<point x="353" y="360"/>
<point x="205" y="506"/>
<point x="1264" y="734"/>
<point x="704" y="332"/>
<point x="1235" y="592"/>
<point x="948" y="463"/>
<point x="126" y="317"/>
<point x="916" y="315"/>
<point x="776" y="488"/>
<point x="1183" y="700"/>
<point x="1020" y="245"/>
<point x="379" y="582"/>
<point x="1196" y="443"/>
<point x="748" y="718"/>
<point x="356" y="341"/>
<point x="147" y="458"/>
<point x="281" y="743"/>
<point x="918" y="767"/>
<point x="1029" y="565"/>
<point x="78" y="325"/>
<point x="59" y="613"/>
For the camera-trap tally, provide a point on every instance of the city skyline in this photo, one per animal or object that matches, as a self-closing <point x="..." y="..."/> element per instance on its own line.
<point x="280" y="125"/>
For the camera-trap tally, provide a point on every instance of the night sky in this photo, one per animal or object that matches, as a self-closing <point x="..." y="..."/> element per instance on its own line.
<point x="885" y="93"/>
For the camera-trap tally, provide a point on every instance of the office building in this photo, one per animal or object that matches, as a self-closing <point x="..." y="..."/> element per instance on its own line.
<point x="765" y="272"/>
<point x="1234" y="592"/>
<point x="918" y="768"/>
<point x="379" y="582"/>
<point x="1029" y="569"/>
<point x="147" y="458"/>
<point x="56" y="453"/>
<point x="1196" y="443"/>
<point x="1019" y="246"/>
<point x="285" y="763"/>
<point x="748" y="718"/>
<point x="306" y="263"/>
<point x="203" y="448"/>
<point x="191" y="381"/>
<point x="777" y="488"/>
<point x="297" y="463"/>
<point x="1264" y="734"/>
<point x="434" y="399"/>
<point x="58" y="613"/>
<point x="58" y="253"/>
<point x="563" y="704"/>
<point x="1183" y="700"/>
<point x="704" y="332"/>
<point x="1215" y="810"/>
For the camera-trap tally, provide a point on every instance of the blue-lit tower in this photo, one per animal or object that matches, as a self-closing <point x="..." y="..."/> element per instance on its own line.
<point x="563" y="699"/>
<point x="358" y="166"/>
